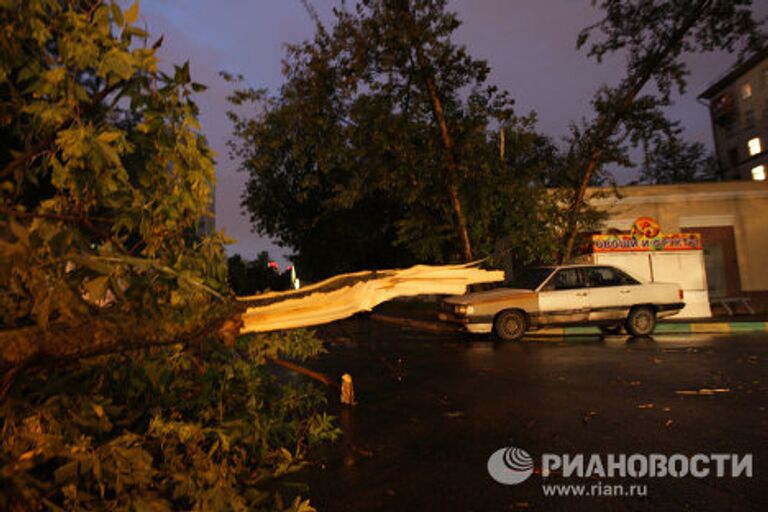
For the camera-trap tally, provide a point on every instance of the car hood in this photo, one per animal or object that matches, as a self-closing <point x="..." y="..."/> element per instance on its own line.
<point x="489" y="296"/>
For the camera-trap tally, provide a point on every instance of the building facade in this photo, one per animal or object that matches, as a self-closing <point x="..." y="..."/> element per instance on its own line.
<point x="738" y="108"/>
<point x="731" y="217"/>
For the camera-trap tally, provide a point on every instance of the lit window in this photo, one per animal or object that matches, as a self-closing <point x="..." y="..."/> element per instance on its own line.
<point x="754" y="146"/>
<point x="758" y="173"/>
<point x="746" y="91"/>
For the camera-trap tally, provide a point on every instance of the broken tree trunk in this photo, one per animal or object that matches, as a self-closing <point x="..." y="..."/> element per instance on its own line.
<point x="103" y="334"/>
<point x="343" y="296"/>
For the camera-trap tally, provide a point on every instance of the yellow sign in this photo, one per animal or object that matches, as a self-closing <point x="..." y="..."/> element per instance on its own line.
<point x="646" y="235"/>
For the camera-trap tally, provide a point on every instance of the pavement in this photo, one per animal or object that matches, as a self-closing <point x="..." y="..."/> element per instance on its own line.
<point x="432" y="407"/>
<point x="423" y="316"/>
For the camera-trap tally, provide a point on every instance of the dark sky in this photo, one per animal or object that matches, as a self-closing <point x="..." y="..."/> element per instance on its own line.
<point x="529" y="44"/>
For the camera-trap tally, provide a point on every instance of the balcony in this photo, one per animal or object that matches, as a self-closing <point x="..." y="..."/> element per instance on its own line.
<point x="724" y="111"/>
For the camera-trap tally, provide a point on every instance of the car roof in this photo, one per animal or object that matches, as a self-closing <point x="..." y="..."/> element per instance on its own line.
<point x="574" y="265"/>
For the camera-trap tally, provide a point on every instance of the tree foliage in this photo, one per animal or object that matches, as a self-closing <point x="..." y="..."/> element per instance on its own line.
<point x="254" y="276"/>
<point x="349" y="165"/>
<point x="654" y="35"/>
<point x="166" y="431"/>
<point x="678" y="161"/>
<point x="104" y="177"/>
<point x="105" y="173"/>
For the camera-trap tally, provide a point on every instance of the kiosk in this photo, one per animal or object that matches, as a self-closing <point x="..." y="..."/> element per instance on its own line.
<point x="654" y="256"/>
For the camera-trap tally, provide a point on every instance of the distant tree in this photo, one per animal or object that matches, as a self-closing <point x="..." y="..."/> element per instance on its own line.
<point x="654" y="35"/>
<point x="238" y="279"/>
<point x="678" y="161"/>
<point x="251" y="277"/>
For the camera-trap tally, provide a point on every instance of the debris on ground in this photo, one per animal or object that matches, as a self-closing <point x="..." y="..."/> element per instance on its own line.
<point x="360" y="451"/>
<point x="623" y="382"/>
<point x="347" y="390"/>
<point x="703" y="391"/>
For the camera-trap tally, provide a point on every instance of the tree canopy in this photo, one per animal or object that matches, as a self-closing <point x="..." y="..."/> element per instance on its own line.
<point x="654" y="35"/>
<point x="678" y="161"/>
<point x="383" y="148"/>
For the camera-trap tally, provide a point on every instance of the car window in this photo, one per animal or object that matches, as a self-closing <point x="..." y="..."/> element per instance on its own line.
<point x="608" y="276"/>
<point x="565" y="279"/>
<point x="529" y="279"/>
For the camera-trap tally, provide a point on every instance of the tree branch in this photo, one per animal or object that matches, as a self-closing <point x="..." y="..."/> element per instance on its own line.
<point x="99" y="335"/>
<point x="605" y="126"/>
<point x="305" y="371"/>
<point x="53" y="216"/>
<point x="41" y="145"/>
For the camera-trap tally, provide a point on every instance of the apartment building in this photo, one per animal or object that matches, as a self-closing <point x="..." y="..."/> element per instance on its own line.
<point x="738" y="107"/>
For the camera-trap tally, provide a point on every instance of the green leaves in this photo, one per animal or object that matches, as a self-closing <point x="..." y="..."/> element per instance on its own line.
<point x="117" y="14"/>
<point x="132" y="14"/>
<point x="101" y="209"/>
<point x="169" y="428"/>
<point x="127" y="187"/>
<point x="116" y="65"/>
<point x="348" y="152"/>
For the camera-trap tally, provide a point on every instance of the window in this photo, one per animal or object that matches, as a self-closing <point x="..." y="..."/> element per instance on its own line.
<point x="608" y="276"/>
<point x="729" y="129"/>
<point x="754" y="146"/>
<point x="758" y="173"/>
<point x="746" y="90"/>
<point x="529" y="279"/>
<point x="749" y="118"/>
<point x="566" y="279"/>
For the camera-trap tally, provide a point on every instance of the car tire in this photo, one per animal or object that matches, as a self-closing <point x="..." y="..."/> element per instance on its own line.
<point x="641" y="321"/>
<point x="610" y="330"/>
<point x="510" y="325"/>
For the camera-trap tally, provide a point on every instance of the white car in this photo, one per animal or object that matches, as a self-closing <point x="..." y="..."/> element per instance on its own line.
<point x="566" y="295"/>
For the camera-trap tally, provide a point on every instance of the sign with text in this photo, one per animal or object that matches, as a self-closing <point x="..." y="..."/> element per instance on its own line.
<point x="662" y="242"/>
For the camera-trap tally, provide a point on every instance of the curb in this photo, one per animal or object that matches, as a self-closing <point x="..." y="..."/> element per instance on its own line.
<point x="661" y="328"/>
<point x="675" y="328"/>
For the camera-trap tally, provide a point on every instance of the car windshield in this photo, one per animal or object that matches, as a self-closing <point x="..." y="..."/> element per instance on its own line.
<point x="529" y="279"/>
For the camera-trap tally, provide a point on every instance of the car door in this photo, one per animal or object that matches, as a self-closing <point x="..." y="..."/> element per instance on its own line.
<point x="611" y="293"/>
<point x="563" y="298"/>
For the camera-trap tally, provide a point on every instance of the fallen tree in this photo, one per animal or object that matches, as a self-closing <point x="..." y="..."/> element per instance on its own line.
<point x="344" y="295"/>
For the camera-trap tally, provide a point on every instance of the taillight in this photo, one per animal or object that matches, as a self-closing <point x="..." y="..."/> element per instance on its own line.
<point x="681" y="293"/>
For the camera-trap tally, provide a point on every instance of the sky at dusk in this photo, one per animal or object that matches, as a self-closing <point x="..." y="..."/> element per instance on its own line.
<point x="529" y="44"/>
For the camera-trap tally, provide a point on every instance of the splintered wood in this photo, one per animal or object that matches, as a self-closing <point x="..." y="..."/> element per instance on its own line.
<point x="344" y="295"/>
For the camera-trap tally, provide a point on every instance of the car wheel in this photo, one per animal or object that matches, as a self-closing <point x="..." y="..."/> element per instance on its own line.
<point x="510" y="325"/>
<point x="610" y="330"/>
<point x="641" y="321"/>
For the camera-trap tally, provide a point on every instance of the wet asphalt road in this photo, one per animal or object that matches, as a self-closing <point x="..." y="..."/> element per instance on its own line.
<point x="432" y="408"/>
